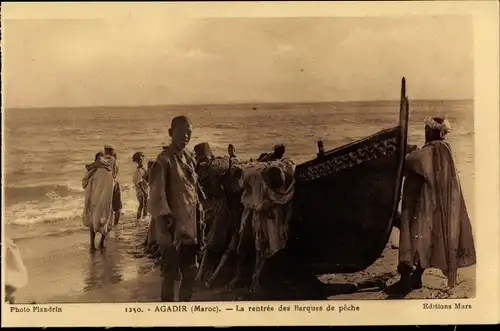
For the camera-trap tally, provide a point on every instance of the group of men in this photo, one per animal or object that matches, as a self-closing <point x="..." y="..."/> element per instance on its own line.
<point x="221" y="206"/>
<point x="205" y="209"/>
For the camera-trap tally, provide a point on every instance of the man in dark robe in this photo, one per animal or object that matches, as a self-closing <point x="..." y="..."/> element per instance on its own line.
<point x="117" y="194"/>
<point x="233" y="191"/>
<point x="212" y="172"/>
<point x="435" y="229"/>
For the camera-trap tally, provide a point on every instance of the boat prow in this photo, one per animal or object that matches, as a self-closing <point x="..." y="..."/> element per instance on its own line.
<point x="346" y="201"/>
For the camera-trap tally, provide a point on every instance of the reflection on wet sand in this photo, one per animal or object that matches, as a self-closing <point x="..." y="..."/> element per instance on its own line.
<point x="104" y="269"/>
<point x="124" y="246"/>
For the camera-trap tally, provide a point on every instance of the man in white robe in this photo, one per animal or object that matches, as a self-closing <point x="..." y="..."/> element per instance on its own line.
<point x="98" y="184"/>
<point x="269" y="189"/>
<point x="435" y="230"/>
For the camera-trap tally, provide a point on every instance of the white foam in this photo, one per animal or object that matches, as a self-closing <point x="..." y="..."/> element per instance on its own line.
<point x="60" y="208"/>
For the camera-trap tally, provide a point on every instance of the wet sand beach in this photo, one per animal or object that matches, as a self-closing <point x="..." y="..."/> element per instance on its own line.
<point x="61" y="268"/>
<point x="63" y="271"/>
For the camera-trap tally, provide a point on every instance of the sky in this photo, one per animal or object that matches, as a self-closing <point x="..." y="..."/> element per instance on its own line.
<point x="137" y="60"/>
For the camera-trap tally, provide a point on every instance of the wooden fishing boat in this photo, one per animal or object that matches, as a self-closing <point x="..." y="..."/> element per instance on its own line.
<point x="344" y="208"/>
<point x="346" y="201"/>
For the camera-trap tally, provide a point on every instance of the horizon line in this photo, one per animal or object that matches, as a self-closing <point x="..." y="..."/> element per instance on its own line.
<point x="233" y="103"/>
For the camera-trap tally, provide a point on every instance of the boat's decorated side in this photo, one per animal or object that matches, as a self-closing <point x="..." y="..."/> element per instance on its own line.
<point x="346" y="200"/>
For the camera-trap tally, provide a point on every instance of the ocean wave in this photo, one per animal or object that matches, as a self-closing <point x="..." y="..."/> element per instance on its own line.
<point x="49" y="212"/>
<point x="59" y="210"/>
<point x="15" y="194"/>
<point x="18" y="194"/>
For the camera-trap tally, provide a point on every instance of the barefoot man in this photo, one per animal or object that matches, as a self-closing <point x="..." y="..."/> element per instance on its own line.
<point x="269" y="189"/>
<point x="214" y="174"/>
<point x="141" y="185"/>
<point x="435" y="230"/>
<point x="175" y="207"/>
<point x="98" y="184"/>
<point x="117" y="193"/>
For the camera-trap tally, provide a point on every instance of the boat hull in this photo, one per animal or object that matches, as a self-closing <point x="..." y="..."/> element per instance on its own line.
<point x="346" y="202"/>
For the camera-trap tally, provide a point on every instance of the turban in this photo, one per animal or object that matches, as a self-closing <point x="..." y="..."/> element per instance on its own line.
<point x="432" y="124"/>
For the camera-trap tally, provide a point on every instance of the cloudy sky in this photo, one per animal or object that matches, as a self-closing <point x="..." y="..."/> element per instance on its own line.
<point x="170" y="59"/>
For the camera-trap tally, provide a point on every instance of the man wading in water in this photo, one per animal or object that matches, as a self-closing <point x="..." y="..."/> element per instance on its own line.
<point x="98" y="184"/>
<point x="141" y="185"/>
<point x="175" y="207"/>
<point x="117" y="193"/>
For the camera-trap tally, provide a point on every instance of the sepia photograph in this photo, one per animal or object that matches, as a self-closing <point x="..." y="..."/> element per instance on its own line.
<point x="164" y="157"/>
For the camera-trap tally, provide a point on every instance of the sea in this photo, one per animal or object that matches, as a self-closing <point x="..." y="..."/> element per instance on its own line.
<point x="45" y="150"/>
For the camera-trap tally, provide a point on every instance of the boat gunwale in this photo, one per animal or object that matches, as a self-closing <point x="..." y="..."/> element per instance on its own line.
<point x="331" y="152"/>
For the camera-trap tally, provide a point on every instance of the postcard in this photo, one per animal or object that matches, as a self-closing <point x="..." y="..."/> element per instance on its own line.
<point x="250" y="163"/>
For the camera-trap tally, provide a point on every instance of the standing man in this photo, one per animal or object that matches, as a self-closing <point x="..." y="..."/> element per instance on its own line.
<point x="212" y="172"/>
<point x="175" y="207"/>
<point x="268" y="191"/>
<point x="141" y="185"/>
<point x="231" y="151"/>
<point x="117" y="194"/>
<point x="98" y="184"/>
<point x="435" y="229"/>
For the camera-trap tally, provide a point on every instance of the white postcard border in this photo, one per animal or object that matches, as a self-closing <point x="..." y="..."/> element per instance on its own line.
<point x="484" y="308"/>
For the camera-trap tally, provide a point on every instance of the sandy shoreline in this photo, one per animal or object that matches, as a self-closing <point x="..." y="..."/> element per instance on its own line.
<point x="62" y="271"/>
